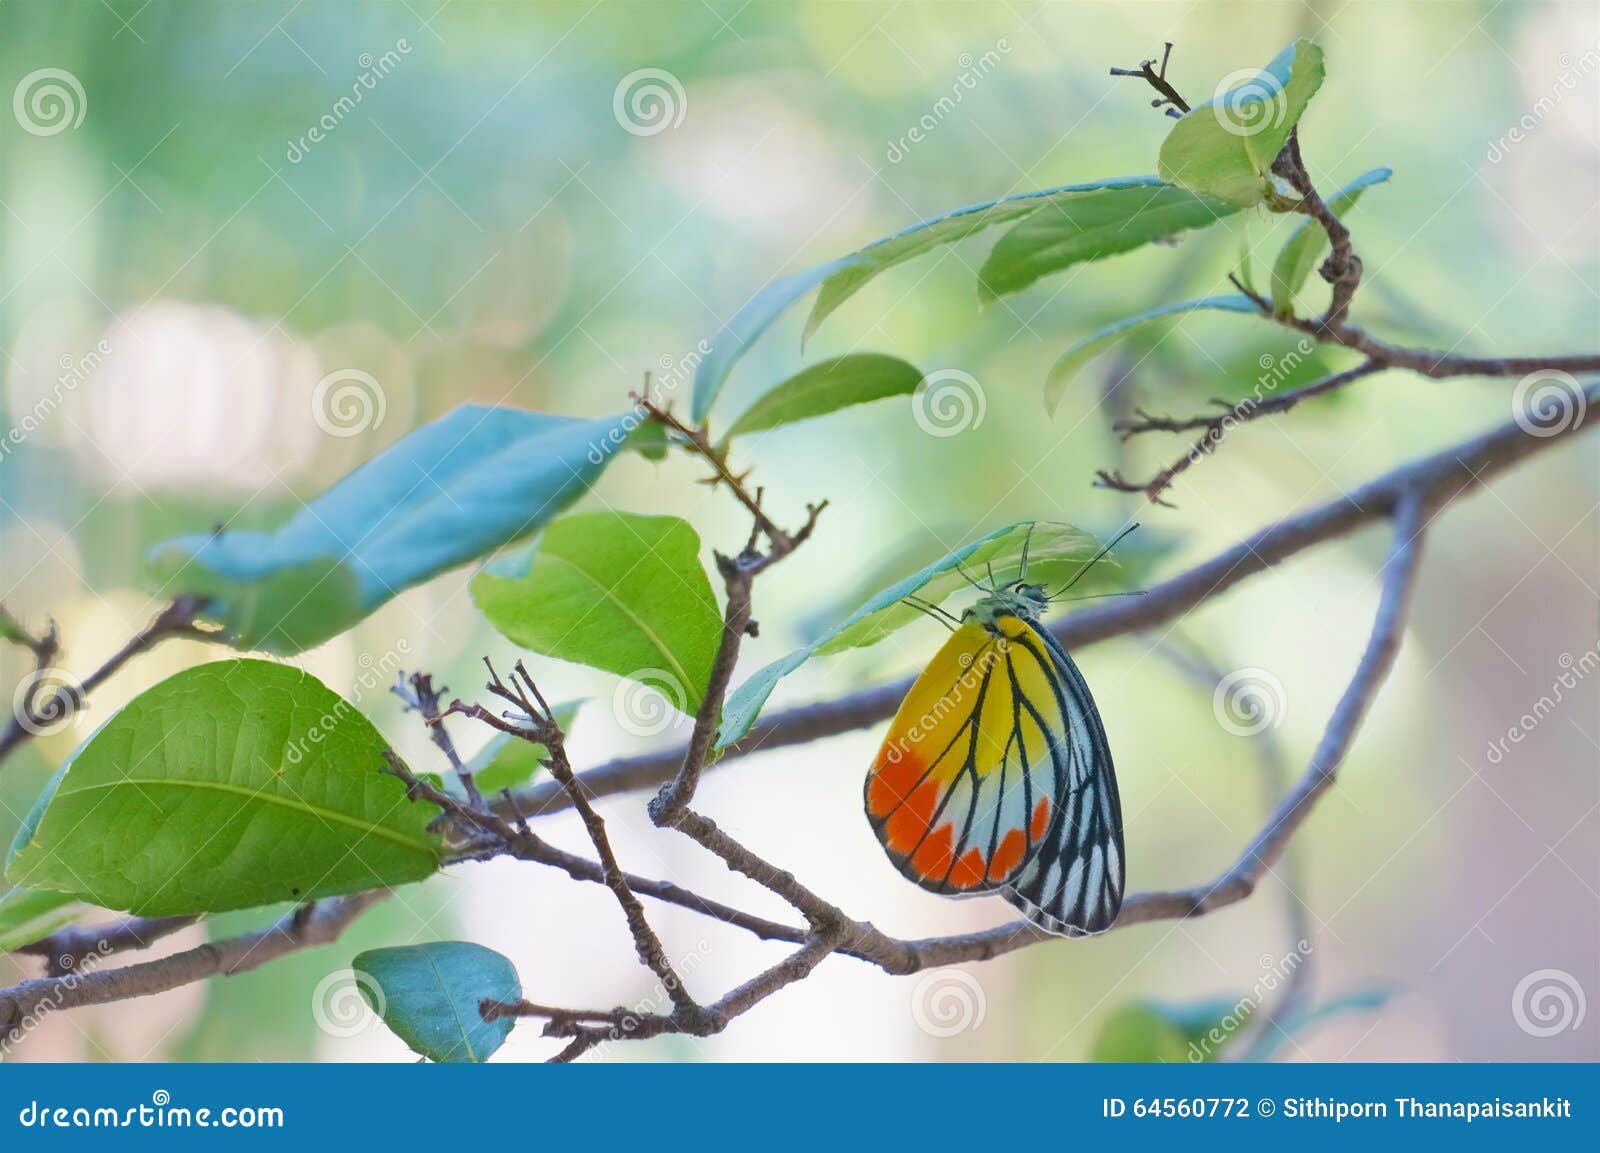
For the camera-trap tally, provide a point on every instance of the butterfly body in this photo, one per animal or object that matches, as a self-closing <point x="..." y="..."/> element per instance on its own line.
<point x="996" y="777"/>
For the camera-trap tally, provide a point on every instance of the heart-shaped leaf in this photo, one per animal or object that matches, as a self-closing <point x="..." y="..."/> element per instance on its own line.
<point x="614" y="591"/>
<point x="430" y="995"/>
<point x="447" y="493"/>
<point x="884" y="614"/>
<point x="233" y="784"/>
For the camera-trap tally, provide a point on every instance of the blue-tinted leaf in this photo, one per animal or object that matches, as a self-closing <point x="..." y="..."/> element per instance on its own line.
<point x="887" y="612"/>
<point x="450" y="492"/>
<point x="1086" y="349"/>
<point x="430" y="996"/>
<point x="843" y="278"/>
<point x="1307" y="243"/>
<point x="734" y="339"/>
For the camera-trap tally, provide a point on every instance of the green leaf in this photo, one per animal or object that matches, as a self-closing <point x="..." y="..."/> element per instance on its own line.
<point x="843" y="278"/>
<point x="1306" y="244"/>
<point x="26" y="915"/>
<point x="1072" y="229"/>
<point x="508" y="762"/>
<point x="886" y="613"/>
<point x="447" y="493"/>
<point x="1225" y="147"/>
<point x="754" y="317"/>
<point x="1086" y="349"/>
<point x="613" y="591"/>
<point x="234" y="784"/>
<point x="1155" y="1031"/>
<point x="430" y="996"/>
<point x="827" y="387"/>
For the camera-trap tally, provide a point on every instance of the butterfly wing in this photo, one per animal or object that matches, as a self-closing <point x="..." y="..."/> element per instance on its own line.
<point x="1074" y="884"/>
<point x="996" y="776"/>
<point x="963" y="792"/>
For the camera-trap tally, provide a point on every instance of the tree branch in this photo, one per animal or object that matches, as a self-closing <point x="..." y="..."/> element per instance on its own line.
<point x="177" y="619"/>
<point x="318" y="923"/>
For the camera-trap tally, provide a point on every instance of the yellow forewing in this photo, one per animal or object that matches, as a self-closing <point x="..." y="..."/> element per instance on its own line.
<point x="963" y="788"/>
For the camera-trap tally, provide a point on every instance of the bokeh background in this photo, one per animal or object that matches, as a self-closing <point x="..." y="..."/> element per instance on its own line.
<point x="182" y="265"/>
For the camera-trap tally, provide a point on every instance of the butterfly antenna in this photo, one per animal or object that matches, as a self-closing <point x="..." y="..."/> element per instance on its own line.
<point x="966" y="576"/>
<point x="938" y="613"/>
<point x="1096" y="559"/>
<point x="1027" y="542"/>
<point x="1099" y="596"/>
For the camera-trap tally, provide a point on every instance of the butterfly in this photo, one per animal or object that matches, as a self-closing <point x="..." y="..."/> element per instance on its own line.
<point x="996" y="776"/>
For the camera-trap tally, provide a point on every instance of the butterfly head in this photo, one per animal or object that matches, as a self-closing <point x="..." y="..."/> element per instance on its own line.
<point x="1017" y="599"/>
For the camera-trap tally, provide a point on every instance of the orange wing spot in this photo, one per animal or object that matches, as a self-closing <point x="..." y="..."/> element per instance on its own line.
<point x="1041" y="820"/>
<point x="968" y="871"/>
<point x="1008" y="856"/>
<point x="892" y="779"/>
<point x="912" y="819"/>
<point x="932" y="860"/>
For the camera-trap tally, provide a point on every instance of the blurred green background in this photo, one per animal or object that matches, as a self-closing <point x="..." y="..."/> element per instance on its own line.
<point x="185" y="262"/>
